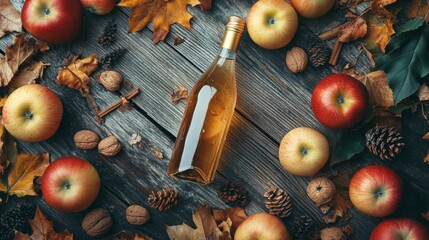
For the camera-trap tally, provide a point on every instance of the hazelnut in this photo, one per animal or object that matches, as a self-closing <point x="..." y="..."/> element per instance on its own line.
<point x="296" y="60"/>
<point x="137" y="215"/>
<point x="86" y="139"/>
<point x="111" y="80"/>
<point x="332" y="233"/>
<point x="110" y="146"/>
<point x="97" y="222"/>
<point x="321" y="190"/>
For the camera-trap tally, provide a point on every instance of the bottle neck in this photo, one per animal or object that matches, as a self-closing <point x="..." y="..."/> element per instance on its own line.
<point x="227" y="53"/>
<point x="231" y="40"/>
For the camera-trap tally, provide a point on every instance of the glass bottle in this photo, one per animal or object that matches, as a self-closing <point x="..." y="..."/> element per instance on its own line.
<point x="208" y="113"/>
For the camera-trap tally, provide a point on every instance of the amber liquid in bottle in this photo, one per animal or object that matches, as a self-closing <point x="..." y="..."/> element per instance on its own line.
<point x="208" y="113"/>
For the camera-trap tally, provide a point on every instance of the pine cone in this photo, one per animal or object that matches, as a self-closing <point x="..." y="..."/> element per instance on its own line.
<point x="318" y="51"/>
<point x="234" y="194"/>
<point x="278" y="202"/>
<point x="15" y="219"/>
<point x="109" y="59"/>
<point x="301" y="227"/>
<point x="386" y="142"/>
<point x="109" y="34"/>
<point x="164" y="199"/>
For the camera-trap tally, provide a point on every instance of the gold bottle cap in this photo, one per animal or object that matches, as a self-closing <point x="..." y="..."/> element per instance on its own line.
<point x="233" y="32"/>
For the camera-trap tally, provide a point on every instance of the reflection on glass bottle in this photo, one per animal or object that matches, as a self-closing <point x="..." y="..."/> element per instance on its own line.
<point x="208" y="113"/>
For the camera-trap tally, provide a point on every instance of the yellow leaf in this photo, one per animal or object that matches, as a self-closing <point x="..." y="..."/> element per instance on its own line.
<point x="205" y="223"/>
<point x="76" y="74"/>
<point x="162" y="13"/>
<point x="380" y="94"/>
<point x="25" y="169"/>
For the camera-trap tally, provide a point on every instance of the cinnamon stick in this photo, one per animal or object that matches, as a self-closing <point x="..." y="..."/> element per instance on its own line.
<point x="336" y="53"/>
<point x="124" y="99"/>
<point x="333" y="32"/>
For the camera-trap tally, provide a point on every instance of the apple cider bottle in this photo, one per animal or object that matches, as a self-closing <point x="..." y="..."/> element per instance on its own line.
<point x="208" y="113"/>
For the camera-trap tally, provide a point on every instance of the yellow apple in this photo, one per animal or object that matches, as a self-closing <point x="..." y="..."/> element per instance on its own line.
<point x="272" y="24"/>
<point x="32" y="113"/>
<point x="303" y="151"/>
<point x="262" y="226"/>
<point x="312" y="8"/>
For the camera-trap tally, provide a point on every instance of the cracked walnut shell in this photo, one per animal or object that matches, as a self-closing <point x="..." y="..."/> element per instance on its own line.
<point x="110" y="146"/>
<point x="86" y="139"/>
<point x="321" y="190"/>
<point x="296" y="60"/>
<point x="97" y="222"/>
<point x="111" y="80"/>
<point x="137" y="215"/>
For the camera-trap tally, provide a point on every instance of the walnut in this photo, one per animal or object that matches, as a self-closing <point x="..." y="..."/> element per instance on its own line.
<point x="321" y="190"/>
<point x="296" y="60"/>
<point x="97" y="222"/>
<point x="111" y="80"/>
<point x="137" y="215"/>
<point x="109" y="146"/>
<point x="86" y="139"/>
<point x="333" y="233"/>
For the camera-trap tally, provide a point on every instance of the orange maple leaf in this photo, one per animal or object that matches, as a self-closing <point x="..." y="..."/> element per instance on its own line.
<point x="43" y="229"/>
<point x="163" y="13"/>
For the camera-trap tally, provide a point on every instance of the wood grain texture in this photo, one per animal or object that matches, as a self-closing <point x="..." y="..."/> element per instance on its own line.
<point x="272" y="98"/>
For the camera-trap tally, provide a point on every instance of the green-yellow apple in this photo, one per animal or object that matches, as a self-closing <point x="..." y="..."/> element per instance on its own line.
<point x="32" y="113"/>
<point x="52" y="21"/>
<point x="303" y="151"/>
<point x="262" y="226"/>
<point x="339" y="101"/>
<point x="70" y="184"/>
<point x="399" y="229"/>
<point x="100" y="7"/>
<point x="272" y="24"/>
<point x="312" y="8"/>
<point x="376" y="190"/>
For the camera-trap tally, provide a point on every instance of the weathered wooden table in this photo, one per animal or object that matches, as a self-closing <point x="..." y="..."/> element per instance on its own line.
<point x="271" y="101"/>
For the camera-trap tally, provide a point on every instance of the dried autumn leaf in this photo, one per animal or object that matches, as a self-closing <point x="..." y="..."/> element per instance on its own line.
<point x="179" y="94"/>
<point x="125" y="235"/>
<point x="237" y="215"/>
<point x="423" y="93"/>
<point x="20" y="52"/>
<point x="426" y="159"/>
<point x="76" y="74"/>
<point x="419" y="8"/>
<point x="426" y="136"/>
<point x="4" y="162"/>
<point x="225" y="230"/>
<point x="206" y="5"/>
<point x="380" y="31"/>
<point x="28" y="74"/>
<point x="425" y="215"/>
<point x="43" y="229"/>
<point x="10" y="19"/>
<point x="341" y="203"/>
<point x="25" y="168"/>
<point x="205" y="223"/>
<point x="350" y="4"/>
<point x="378" y="88"/>
<point x="355" y="30"/>
<point x="158" y="154"/>
<point x="383" y="117"/>
<point x="162" y="13"/>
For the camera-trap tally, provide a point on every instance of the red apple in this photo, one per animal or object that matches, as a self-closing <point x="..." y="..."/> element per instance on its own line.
<point x="303" y="151"/>
<point x="52" y="21"/>
<point x="399" y="229"/>
<point x="339" y="101"/>
<point x="70" y="184"/>
<point x="100" y="7"/>
<point x="376" y="190"/>
<point x="262" y="226"/>
<point x="32" y="113"/>
<point x="272" y="24"/>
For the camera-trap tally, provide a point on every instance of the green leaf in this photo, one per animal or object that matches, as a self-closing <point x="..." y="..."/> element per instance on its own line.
<point x="409" y="26"/>
<point x="348" y="144"/>
<point x="408" y="62"/>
